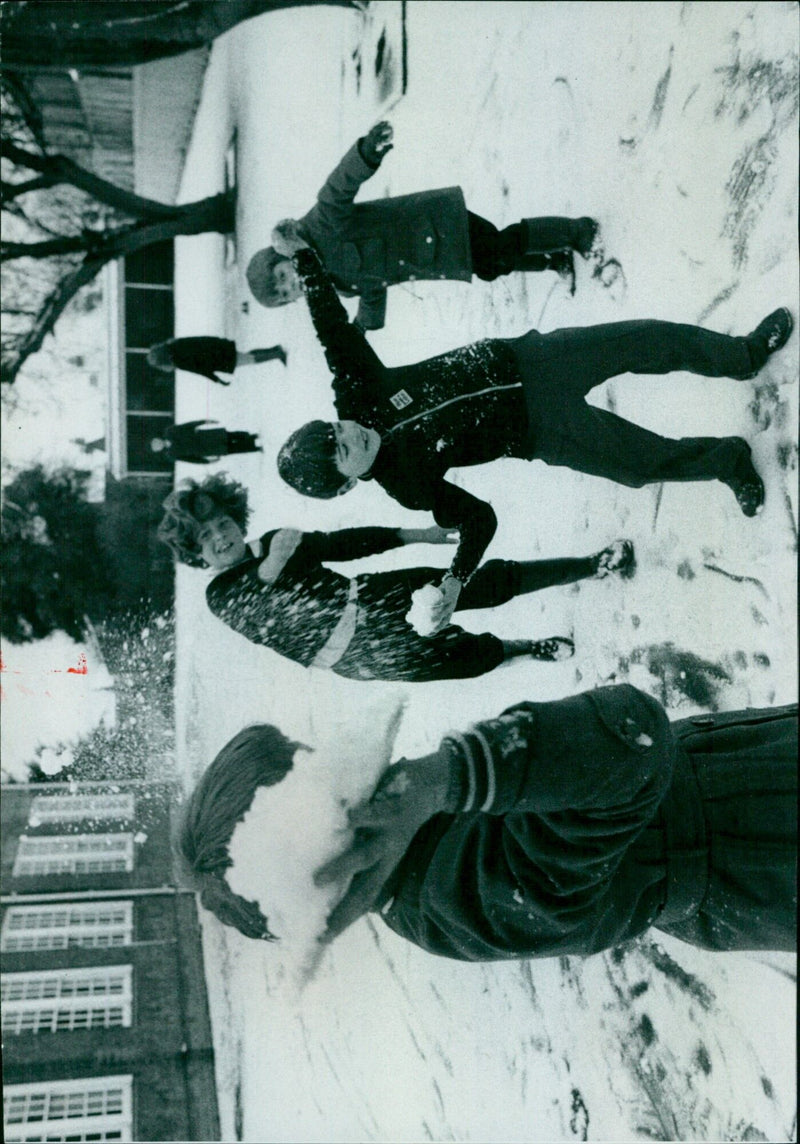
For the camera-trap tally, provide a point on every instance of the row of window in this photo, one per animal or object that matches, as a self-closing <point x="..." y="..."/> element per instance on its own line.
<point x="97" y="1108"/>
<point x="73" y="854"/>
<point x="75" y="807"/>
<point x="62" y="1000"/>
<point x="58" y="1000"/>
<point x="84" y="925"/>
<point x="108" y="853"/>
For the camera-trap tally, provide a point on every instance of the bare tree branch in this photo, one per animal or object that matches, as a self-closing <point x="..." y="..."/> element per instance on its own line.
<point x="216" y="213"/>
<point x="61" y="169"/>
<point x="11" y="191"/>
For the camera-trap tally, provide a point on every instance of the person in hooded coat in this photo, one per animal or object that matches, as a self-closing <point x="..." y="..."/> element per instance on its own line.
<point x="369" y="246"/>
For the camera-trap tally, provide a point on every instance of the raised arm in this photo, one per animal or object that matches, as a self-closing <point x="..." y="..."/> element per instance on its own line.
<point x="352" y="361"/>
<point x="335" y="200"/>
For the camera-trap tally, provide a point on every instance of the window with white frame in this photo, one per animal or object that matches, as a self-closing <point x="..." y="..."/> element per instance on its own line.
<point x="85" y="925"/>
<point x="74" y="854"/>
<point x="76" y="807"/>
<point x="60" y="1000"/>
<point x="96" y="1108"/>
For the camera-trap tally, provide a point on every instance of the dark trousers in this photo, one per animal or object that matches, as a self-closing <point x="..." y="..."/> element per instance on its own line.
<point x="241" y="442"/>
<point x="496" y="252"/>
<point x="560" y="368"/>
<point x="734" y="872"/>
<point x="386" y="647"/>
<point x="526" y="245"/>
<point x="498" y="581"/>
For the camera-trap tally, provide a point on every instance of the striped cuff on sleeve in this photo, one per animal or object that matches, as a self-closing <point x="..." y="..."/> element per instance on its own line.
<point x="477" y="772"/>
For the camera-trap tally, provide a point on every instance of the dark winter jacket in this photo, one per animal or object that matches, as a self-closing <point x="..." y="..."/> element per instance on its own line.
<point x="204" y="356"/>
<point x="187" y="442"/>
<point x="296" y="615"/>
<point x="368" y="246"/>
<point x="588" y="820"/>
<point x="462" y="408"/>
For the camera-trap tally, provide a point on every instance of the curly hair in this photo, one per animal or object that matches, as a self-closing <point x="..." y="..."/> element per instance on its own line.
<point x="261" y="276"/>
<point x="191" y="504"/>
<point x="260" y="755"/>
<point x="307" y="461"/>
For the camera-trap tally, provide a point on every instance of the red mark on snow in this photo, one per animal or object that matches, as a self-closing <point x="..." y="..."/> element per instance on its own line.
<point x="81" y="669"/>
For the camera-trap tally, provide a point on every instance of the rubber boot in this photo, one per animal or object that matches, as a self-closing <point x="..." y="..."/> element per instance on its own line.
<point x="544" y="235"/>
<point x="271" y="353"/>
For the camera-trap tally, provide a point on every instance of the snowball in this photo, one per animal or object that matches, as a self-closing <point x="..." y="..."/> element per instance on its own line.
<point x="420" y="615"/>
<point x="299" y="824"/>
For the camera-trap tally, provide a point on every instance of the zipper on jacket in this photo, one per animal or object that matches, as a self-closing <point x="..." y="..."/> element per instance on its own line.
<point x="452" y="401"/>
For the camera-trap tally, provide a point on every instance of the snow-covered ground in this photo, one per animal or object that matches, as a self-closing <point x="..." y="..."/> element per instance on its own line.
<point x="676" y="126"/>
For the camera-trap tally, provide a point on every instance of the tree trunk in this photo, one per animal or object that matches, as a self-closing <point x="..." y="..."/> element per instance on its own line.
<point x="56" y="35"/>
<point x="214" y="214"/>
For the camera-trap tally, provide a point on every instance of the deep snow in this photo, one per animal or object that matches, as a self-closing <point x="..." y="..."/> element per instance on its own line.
<point x="676" y="125"/>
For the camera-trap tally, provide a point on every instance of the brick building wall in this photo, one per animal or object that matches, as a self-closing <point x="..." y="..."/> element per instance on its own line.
<point x="162" y="1041"/>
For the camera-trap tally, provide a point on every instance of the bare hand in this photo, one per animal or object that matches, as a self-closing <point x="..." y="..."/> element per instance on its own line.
<point x="377" y="142"/>
<point x="286" y="238"/>
<point x="409" y="793"/>
<point x="450" y="589"/>
<point x="433" y="535"/>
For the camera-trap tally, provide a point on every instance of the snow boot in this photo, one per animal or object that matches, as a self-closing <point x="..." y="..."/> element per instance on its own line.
<point x="552" y="650"/>
<point x="745" y="483"/>
<point x="544" y="235"/>
<point x="769" y="336"/>
<point x="272" y="353"/>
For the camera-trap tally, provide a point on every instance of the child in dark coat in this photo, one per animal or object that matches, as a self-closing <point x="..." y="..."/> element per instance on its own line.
<point x="430" y="235"/>
<point x="208" y="356"/>
<point x="191" y="441"/>
<point x="555" y="829"/>
<point x="276" y="591"/>
<point x="507" y="397"/>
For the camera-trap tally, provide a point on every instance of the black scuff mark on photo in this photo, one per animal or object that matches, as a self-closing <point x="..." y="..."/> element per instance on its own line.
<point x="723" y="296"/>
<point x="737" y="579"/>
<point x="660" y="95"/>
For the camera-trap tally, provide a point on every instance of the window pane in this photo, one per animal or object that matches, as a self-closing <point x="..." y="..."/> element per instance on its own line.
<point x="147" y="388"/>
<point x="149" y="316"/>
<point x="141" y="431"/>
<point x="152" y="264"/>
